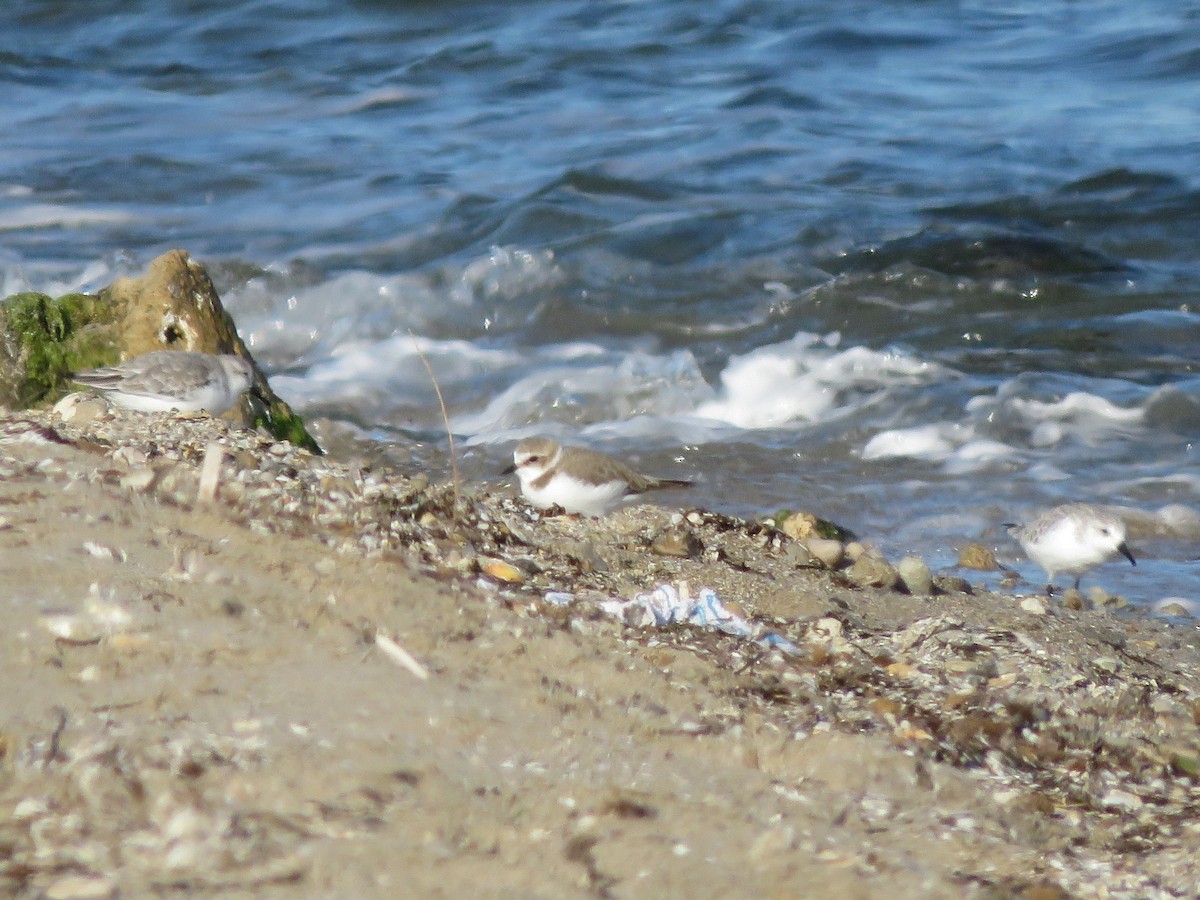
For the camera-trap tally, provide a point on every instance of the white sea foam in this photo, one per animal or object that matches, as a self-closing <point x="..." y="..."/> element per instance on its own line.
<point x="390" y="368"/>
<point x="490" y="294"/>
<point x="601" y="386"/>
<point x="57" y="215"/>
<point x="919" y="442"/>
<point x="806" y="379"/>
<point x="1080" y="409"/>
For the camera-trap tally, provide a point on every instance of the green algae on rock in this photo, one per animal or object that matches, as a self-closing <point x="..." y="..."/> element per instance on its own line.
<point x="47" y="338"/>
<point x="173" y="306"/>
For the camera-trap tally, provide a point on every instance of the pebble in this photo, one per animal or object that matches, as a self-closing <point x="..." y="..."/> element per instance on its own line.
<point x="796" y="555"/>
<point x="871" y="571"/>
<point x="830" y="553"/>
<point x="953" y="584"/>
<point x="977" y="556"/>
<point x="1034" y="605"/>
<point x="139" y="480"/>
<point x="81" y="887"/>
<point x="502" y="571"/>
<point x="1177" y="606"/>
<point x="799" y="525"/>
<point x="677" y="541"/>
<point x="80" y="408"/>
<point x="914" y="573"/>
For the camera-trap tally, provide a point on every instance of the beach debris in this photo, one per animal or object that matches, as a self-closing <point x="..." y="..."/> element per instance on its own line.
<point x="100" y="616"/>
<point x="401" y="657"/>
<point x="210" y="472"/>
<point x="669" y="604"/>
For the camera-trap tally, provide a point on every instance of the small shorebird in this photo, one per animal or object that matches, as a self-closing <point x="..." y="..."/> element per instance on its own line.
<point x="1073" y="538"/>
<point x="165" y="380"/>
<point x="577" y="479"/>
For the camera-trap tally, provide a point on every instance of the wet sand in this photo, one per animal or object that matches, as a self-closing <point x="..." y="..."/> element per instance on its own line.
<point x="198" y="699"/>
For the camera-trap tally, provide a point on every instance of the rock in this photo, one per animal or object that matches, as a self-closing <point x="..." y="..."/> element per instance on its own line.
<point x="952" y="584"/>
<point x="830" y="553"/>
<point x="977" y="556"/>
<point x="871" y="571"/>
<point x="677" y="541"/>
<point x="1177" y="607"/>
<point x="796" y="555"/>
<point x="915" y="575"/>
<point x="1034" y="605"/>
<point x="1072" y="599"/>
<point x="799" y="525"/>
<point x="80" y="408"/>
<point x="1102" y="599"/>
<point x="81" y="887"/>
<point x="503" y="571"/>
<point x="855" y="549"/>
<point x="174" y="306"/>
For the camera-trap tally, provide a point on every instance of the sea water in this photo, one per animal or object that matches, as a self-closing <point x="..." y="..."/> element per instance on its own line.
<point x="920" y="268"/>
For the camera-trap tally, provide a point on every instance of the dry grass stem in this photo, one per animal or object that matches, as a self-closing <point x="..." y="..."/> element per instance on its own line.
<point x="445" y="419"/>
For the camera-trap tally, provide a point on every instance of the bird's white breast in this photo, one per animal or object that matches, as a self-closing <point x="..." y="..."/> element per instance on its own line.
<point x="572" y="494"/>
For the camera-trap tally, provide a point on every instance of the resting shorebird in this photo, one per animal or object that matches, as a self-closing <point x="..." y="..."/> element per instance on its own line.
<point x="577" y="479"/>
<point x="173" y="379"/>
<point x="1073" y="538"/>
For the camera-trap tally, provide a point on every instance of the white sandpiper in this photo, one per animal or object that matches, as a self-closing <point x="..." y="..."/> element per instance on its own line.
<point x="577" y="479"/>
<point x="165" y="380"/>
<point x="1073" y="538"/>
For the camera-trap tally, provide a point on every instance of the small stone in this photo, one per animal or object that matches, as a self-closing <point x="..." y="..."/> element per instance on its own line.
<point x="502" y="571"/>
<point x="953" y="584"/>
<point x="830" y="553"/>
<point x="678" y="541"/>
<point x="914" y="573"/>
<point x="796" y="555"/>
<point x="1102" y="599"/>
<point x="79" y="408"/>
<point x="855" y="549"/>
<point x="139" y="480"/>
<point x="1108" y="664"/>
<point x="1034" y="605"/>
<point x="1179" y="607"/>
<point x="70" y="626"/>
<point x="1122" y="800"/>
<point x="977" y="556"/>
<point x="799" y="525"/>
<point x="1072" y="599"/>
<point x="81" y="887"/>
<point x="871" y="571"/>
<point x="1186" y="762"/>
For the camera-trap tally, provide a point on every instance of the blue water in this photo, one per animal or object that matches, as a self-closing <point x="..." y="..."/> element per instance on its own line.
<point x="920" y="267"/>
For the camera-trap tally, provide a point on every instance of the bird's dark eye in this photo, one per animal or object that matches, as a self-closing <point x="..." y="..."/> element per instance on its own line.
<point x="535" y="459"/>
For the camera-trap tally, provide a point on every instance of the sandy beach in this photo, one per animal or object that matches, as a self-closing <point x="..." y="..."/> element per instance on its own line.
<point x="305" y="678"/>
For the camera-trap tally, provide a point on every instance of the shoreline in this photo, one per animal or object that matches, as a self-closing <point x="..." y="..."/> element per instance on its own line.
<point x="206" y="697"/>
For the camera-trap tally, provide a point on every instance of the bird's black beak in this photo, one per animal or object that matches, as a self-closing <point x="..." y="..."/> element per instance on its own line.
<point x="1123" y="548"/>
<point x="509" y="469"/>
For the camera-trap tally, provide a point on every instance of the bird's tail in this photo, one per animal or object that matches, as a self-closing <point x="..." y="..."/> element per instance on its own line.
<point x="665" y="484"/>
